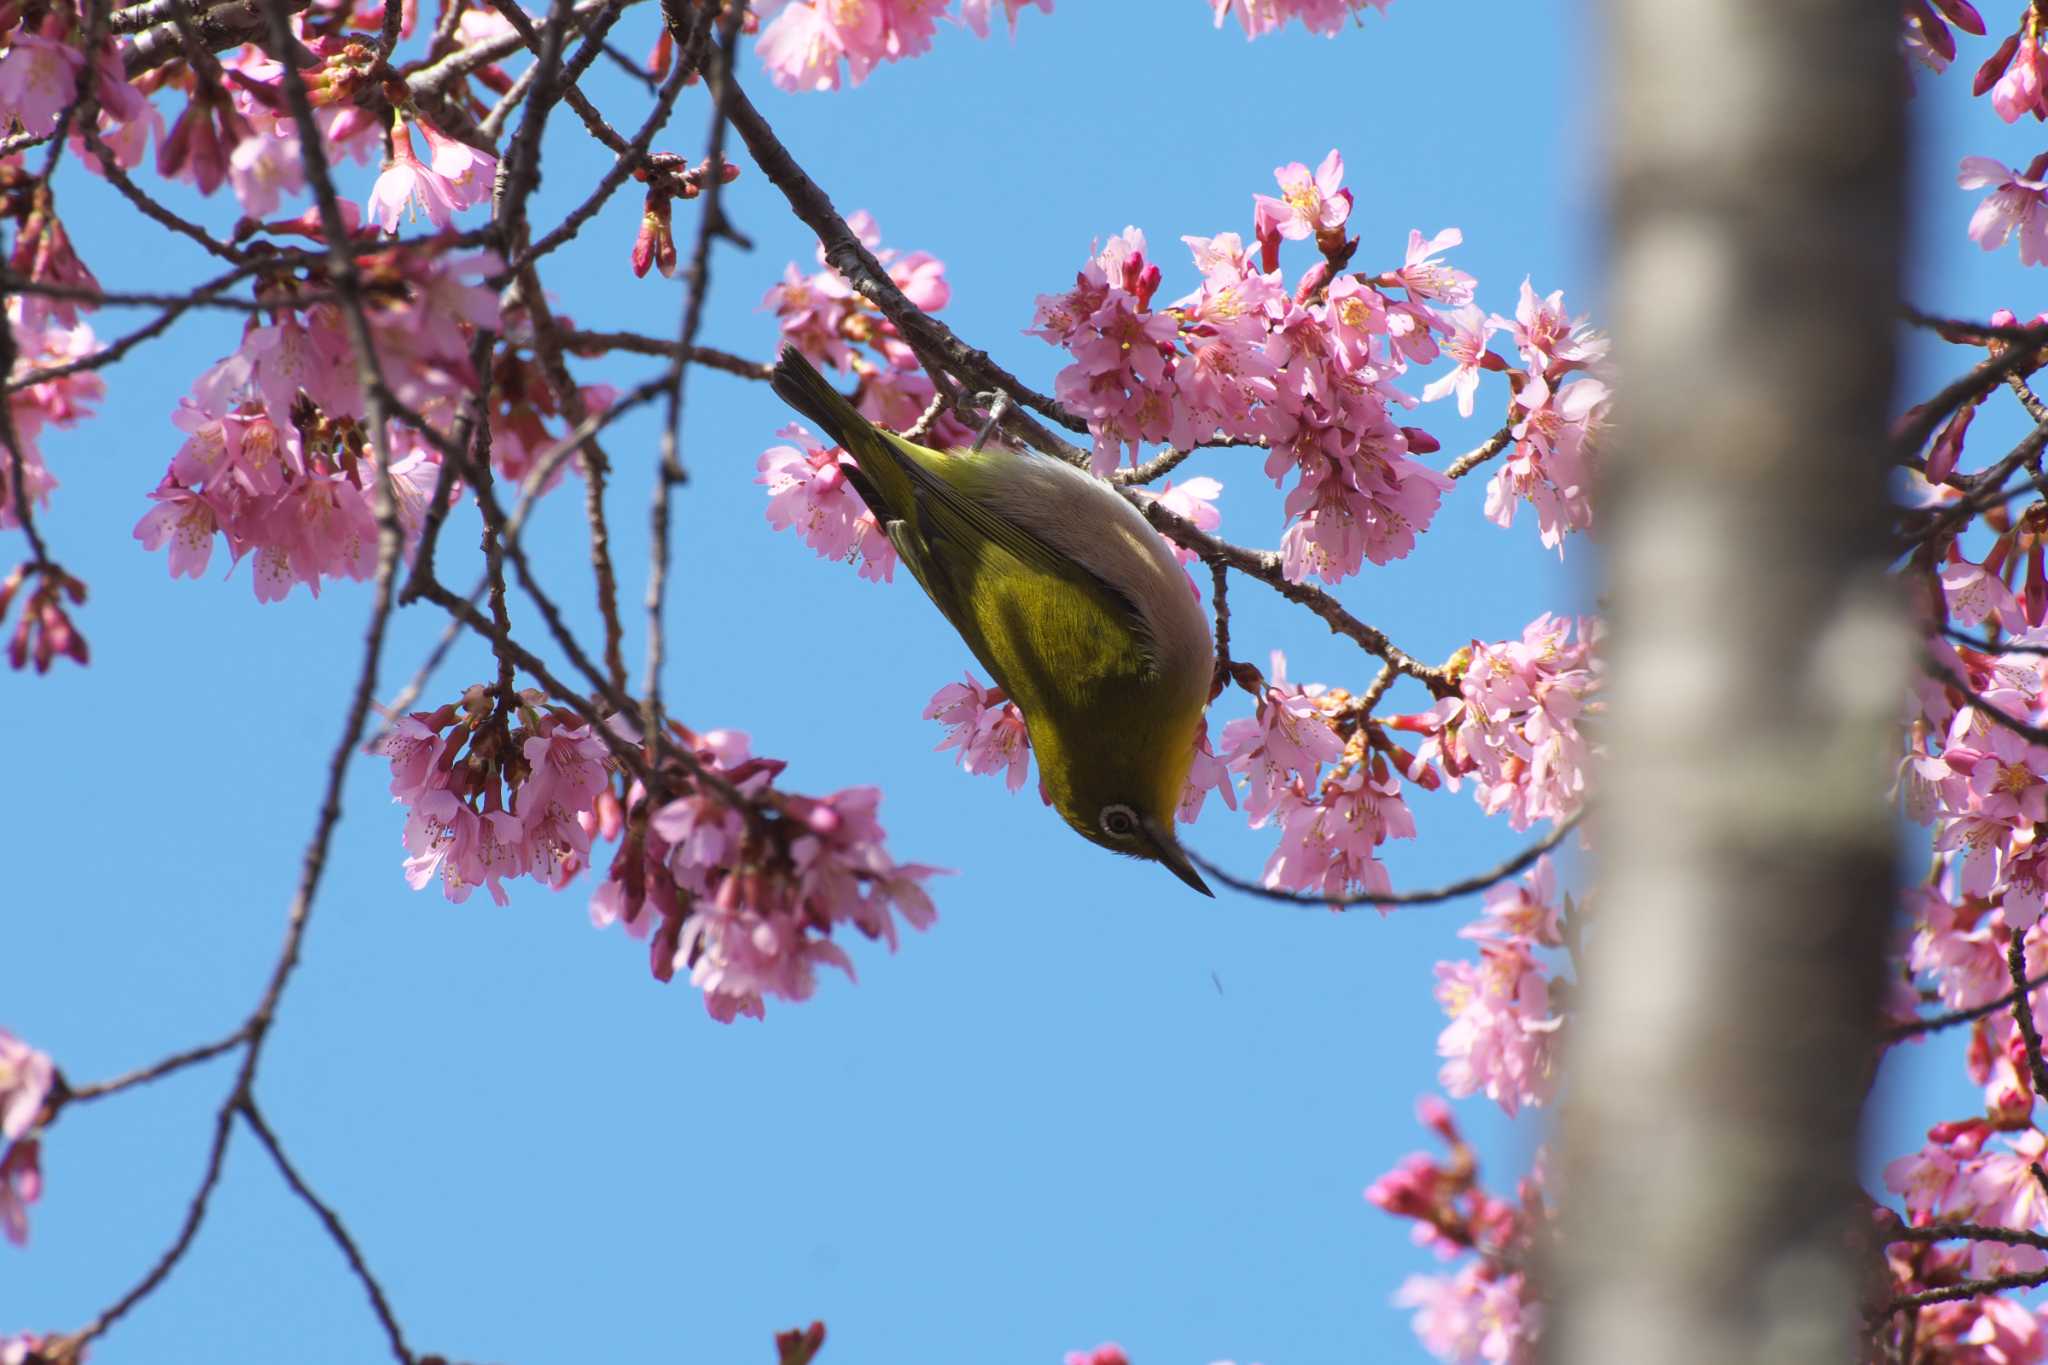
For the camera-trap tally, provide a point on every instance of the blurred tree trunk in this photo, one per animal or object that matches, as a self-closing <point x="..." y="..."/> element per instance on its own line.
<point x="1747" y="861"/>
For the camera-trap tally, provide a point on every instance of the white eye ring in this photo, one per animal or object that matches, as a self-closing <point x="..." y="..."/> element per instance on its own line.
<point x="1119" y="822"/>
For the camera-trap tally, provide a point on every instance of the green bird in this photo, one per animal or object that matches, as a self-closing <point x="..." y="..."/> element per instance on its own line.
<point x="1066" y="595"/>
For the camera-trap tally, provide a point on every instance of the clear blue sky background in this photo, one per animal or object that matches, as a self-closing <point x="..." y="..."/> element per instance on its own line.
<point x="1087" y="1105"/>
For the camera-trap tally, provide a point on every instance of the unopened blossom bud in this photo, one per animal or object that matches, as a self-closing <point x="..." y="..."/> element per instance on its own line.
<point x="796" y="1347"/>
<point x="1948" y="445"/>
<point x="656" y="243"/>
<point x="1989" y="73"/>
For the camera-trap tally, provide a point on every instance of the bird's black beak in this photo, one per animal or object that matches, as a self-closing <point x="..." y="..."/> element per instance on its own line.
<point x="1168" y="850"/>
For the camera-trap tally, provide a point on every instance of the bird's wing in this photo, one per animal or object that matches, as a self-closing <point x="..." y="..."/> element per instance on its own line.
<point x="992" y="578"/>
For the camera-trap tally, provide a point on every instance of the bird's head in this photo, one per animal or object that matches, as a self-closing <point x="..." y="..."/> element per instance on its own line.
<point x="1123" y="795"/>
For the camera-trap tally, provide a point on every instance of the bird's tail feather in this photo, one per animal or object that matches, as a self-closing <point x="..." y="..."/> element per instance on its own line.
<point x="799" y="384"/>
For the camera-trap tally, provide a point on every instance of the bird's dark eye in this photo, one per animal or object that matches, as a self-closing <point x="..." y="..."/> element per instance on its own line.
<point x="1119" y="822"/>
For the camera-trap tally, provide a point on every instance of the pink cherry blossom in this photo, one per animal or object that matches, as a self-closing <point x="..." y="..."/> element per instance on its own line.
<point x="1195" y="500"/>
<point x="1260" y="17"/>
<point x="38" y="77"/>
<point x="1549" y="338"/>
<point x="409" y="188"/>
<point x="1466" y="345"/>
<point x="1311" y="203"/>
<point x="975" y="13"/>
<point x="1473" y="1316"/>
<point x="808" y="492"/>
<point x="1514" y="729"/>
<point x="2017" y="204"/>
<point x="1329" y="844"/>
<point x="1501" y="1038"/>
<point x="184" y="519"/>
<point x="1286" y="742"/>
<point x="1205" y="774"/>
<point x="1426" y="277"/>
<point x="986" y="727"/>
<point x="26" y="1077"/>
<point x="21" y="1184"/>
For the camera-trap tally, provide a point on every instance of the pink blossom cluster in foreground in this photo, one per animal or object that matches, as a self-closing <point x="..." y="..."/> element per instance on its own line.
<point x="1309" y="371"/>
<point x="746" y="901"/>
<point x="822" y="44"/>
<point x="1109" y="1353"/>
<point x="1502" y="1037"/>
<point x="1260" y="17"/>
<point x="47" y="337"/>
<point x="1485" y="1309"/>
<point x="821" y="315"/>
<point x="26" y="1079"/>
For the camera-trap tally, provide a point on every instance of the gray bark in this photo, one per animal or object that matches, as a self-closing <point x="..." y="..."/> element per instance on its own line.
<point x="1746" y="856"/>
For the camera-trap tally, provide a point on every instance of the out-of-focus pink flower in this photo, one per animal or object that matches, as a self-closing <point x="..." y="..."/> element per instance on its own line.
<point x="1472" y="1316"/>
<point x="975" y="13"/>
<point x="2017" y="205"/>
<point x="38" y="77"/>
<point x="1194" y="499"/>
<point x="408" y="187"/>
<point x="1109" y="1353"/>
<point x="26" y="1076"/>
<point x="1501" y="1038"/>
<point x="21" y="1184"/>
<point x="469" y="172"/>
<point x="1206" y="773"/>
<point x="986" y="727"/>
<point x="1325" y="18"/>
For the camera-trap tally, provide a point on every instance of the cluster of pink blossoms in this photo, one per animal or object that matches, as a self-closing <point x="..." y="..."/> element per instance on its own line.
<point x="1330" y="826"/>
<point x="1109" y="1353"/>
<point x="820" y="314"/>
<point x="808" y="493"/>
<point x="1485" y="1310"/>
<point x="1325" y="18"/>
<point x="2015" y="76"/>
<point x="806" y="42"/>
<point x="493" y="795"/>
<point x="988" y="733"/>
<point x="1514" y="727"/>
<point x="1502" y="1038"/>
<point x="26" y="1079"/>
<point x="277" y="460"/>
<point x="47" y="337"/>
<point x="745" y="898"/>
<point x="1309" y="372"/>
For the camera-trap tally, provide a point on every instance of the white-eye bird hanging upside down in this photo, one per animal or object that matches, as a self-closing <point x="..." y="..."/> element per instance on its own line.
<point x="1066" y="595"/>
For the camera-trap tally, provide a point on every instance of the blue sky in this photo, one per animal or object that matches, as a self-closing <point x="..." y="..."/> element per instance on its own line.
<point x="1087" y="1104"/>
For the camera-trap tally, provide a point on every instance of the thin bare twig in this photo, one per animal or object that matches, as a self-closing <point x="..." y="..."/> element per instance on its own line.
<point x="1481" y="453"/>
<point x="1936" y="1023"/>
<point x="330" y="1220"/>
<point x="717" y="66"/>
<point x="177" y="1061"/>
<point x="1463" y="887"/>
